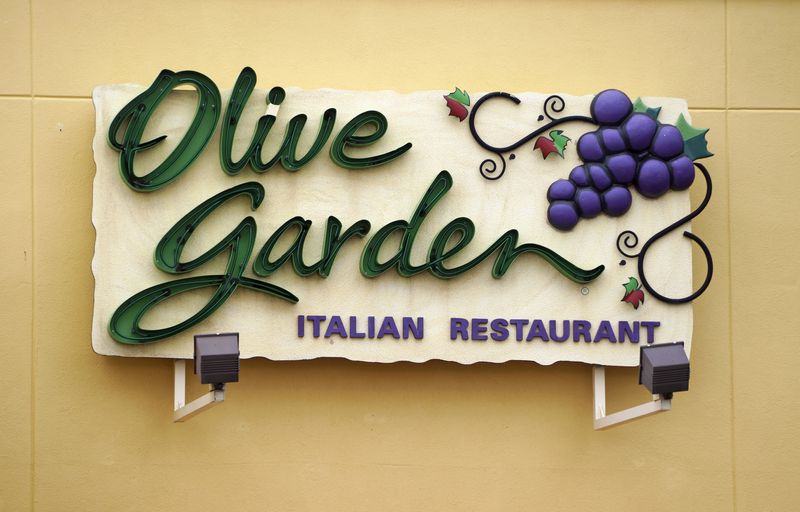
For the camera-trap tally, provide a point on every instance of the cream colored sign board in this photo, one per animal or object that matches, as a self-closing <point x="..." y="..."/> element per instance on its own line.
<point x="129" y="225"/>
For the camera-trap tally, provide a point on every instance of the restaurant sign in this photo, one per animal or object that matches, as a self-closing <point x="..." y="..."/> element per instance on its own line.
<point x="380" y="226"/>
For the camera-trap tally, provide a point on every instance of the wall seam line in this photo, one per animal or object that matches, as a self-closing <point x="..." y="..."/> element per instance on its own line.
<point x="44" y="97"/>
<point x="730" y="316"/>
<point x="730" y="263"/>
<point x="33" y="267"/>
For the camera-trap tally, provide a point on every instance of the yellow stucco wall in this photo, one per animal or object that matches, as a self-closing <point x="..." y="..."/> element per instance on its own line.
<point x="83" y="432"/>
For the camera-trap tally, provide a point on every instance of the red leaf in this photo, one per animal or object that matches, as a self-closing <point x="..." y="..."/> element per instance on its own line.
<point x="546" y="145"/>
<point x="456" y="109"/>
<point x="634" y="298"/>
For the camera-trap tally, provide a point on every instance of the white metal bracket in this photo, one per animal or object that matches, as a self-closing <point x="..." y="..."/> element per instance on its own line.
<point x="603" y="421"/>
<point x="184" y="411"/>
<point x="272" y="110"/>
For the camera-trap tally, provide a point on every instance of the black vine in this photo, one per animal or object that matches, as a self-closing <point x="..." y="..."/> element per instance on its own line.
<point x="630" y="240"/>
<point x="552" y="106"/>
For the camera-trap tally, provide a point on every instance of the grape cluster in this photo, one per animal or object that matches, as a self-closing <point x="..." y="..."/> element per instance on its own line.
<point x="628" y="148"/>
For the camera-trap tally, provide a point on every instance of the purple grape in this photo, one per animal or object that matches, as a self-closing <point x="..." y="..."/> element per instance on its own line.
<point x="610" y="107"/>
<point x="612" y="140"/>
<point x="667" y="143"/>
<point x="588" y="201"/>
<point x="682" y="171"/>
<point x="617" y="200"/>
<point x="599" y="177"/>
<point x="622" y="167"/>
<point x="579" y="177"/>
<point x="562" y="215"/>
<point x="640" y="129"/>
<point x="561" y="190"/>
<point x="653" y="179"/>
<point x="589" y="148"/>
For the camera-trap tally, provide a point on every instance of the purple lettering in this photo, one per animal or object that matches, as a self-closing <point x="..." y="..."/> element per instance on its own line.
<point x="518" y="325"/>
<point x="479" y="329"/>
<point x="582" y="328"/>
<point x="605" y="332"/>
<point x="336" y="326"/>
<point x="554" y="334"/>
<point x="537" y="331"/>
<point x="415" y="328"/>
<point x="499" y="329"/>
<point x="625" y="330"/>
<point x="458" y="327"/>
<point x="388" y="328"/>
<point x="354" y="329"/>
<point x="651" y="327"/>
<point x="317" y="321"/>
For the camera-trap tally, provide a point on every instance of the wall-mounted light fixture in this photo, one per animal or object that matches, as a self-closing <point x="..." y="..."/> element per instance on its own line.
<point x="216" y="360"/>
<point x="663" y="370"/>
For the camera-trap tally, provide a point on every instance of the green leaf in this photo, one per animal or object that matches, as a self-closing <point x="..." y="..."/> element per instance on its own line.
<point x="460" y="96"/>
<point x="559" y="141"/>
<point x="639" y="106"/>
<point x="631" y="286"/>
<point x="695" y="144"/>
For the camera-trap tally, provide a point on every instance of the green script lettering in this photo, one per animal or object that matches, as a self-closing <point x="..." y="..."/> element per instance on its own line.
<point x="464" y="229"/>
<point x="138" y="111"/>
<point x="125" y="322"/>
<point x="348" y="137"/>
<point x="135" y="115"/>
<point x="287" y="154"/>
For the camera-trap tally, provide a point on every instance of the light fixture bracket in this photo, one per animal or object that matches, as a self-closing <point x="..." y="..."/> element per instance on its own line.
<point x="603" y="421"/>
<point x="182" y="410"/>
